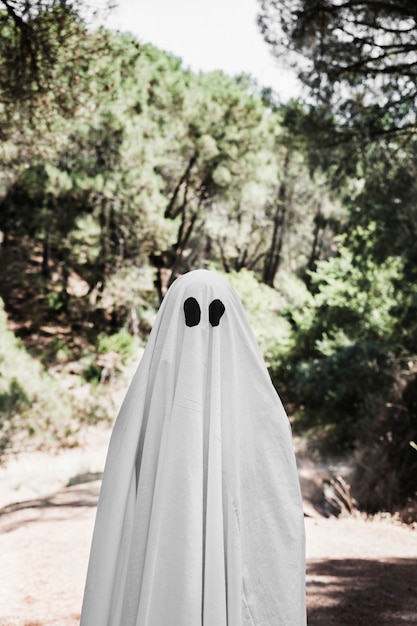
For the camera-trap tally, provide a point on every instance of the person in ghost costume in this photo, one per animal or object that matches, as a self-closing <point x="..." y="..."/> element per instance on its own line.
<point x="200" y="519"/>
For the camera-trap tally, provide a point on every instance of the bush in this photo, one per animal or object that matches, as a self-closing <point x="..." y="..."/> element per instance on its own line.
<point x="31" y="401"/>
<point x="264" y="307"/>
<point x="384" y="476"/>
<point x="35" y="408"/>
<point x="340" y="357"/>
<point x="122" y="343"/>
<point x="333" y="390"/>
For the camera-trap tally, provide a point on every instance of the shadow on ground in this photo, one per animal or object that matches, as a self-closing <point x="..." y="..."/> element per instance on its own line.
<point x="78" y="495"/>
<point x="359" y="592"/>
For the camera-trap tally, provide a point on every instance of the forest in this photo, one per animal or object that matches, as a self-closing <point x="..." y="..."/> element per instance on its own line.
<point x="121" y="169"/>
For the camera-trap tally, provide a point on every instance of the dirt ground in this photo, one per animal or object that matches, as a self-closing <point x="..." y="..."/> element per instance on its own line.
<point x="359" y="572"/>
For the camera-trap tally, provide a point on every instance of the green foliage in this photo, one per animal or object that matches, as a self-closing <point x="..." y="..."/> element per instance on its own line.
<point x="353" y="299"/>
<point x="122" y="342"/>
<point x="357" y="56"/>
<point x="112" y="352"/>
<point x="28" y="396"/>
<point x="133" y="297"/>
<point x="341" y="344"/>
<point x="55" y="301"/>
<point x="264" y="307"/>
<point x="38" y="409"/>
<point x="159" y="161"/>
<point x="92" y="373"/>
<point x="334" y="391"/>
<point x="143" y="170"/>
<point x="385" y="465"/>
<point x="355" y="341"/>
<point x="13" y="401"/>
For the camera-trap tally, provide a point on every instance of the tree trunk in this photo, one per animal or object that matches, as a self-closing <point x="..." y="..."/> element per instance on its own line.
<point x="274" y="254"/>
<point x="319" y="226"/>
<point x="165" y="264"/>
<point x="104" y="220"/>
<point x="45" y="256"/>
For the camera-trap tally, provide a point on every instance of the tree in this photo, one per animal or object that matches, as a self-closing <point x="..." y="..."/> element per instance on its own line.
<point x="36" y="37"/>
<point x="357" y="56"/>
<point x="49" y="69"/>
<point x="159" y="163"/>
<point x="216" y="126"/>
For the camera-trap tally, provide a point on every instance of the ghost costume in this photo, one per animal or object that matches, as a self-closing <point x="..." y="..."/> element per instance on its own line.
<point x="200" y="520"/>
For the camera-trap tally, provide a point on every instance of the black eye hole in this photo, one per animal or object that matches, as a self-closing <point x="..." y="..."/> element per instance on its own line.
<point x="216" y="310"/>
<point x="192" y="312"/>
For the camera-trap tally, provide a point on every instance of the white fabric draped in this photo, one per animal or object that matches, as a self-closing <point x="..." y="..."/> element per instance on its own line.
<point x="200" y="520"/>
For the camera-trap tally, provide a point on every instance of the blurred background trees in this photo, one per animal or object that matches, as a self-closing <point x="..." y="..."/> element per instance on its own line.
<point x="121" y="170"/>
<point x="357" y="57"/>
<point x="356" y="346"/>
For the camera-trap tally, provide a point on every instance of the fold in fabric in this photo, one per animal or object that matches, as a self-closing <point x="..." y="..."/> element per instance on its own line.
<point x="200" y="519"/>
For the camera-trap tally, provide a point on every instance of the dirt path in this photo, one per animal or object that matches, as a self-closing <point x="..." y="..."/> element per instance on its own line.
<point x="359" y="572"/>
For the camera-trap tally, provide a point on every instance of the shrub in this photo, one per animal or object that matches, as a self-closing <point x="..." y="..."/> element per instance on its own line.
<point x="34" y="407"/>
<point x="122" y="342"/>
<point x="341" y="342"/>
<point x="333" y="390"/>
<point x="265" y="309"/>
<point x="384" y="476"/>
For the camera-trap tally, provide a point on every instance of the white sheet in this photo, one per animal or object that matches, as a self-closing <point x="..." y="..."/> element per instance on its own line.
<point x="200" y="520"/>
